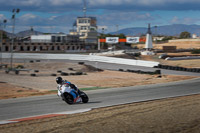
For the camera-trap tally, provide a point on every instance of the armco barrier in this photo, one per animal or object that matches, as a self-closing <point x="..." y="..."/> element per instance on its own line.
<point x="183" y="58"/>
<point x="196" y="70"/>
<point x="82" y="58"/>
<point x="156" y="72"/>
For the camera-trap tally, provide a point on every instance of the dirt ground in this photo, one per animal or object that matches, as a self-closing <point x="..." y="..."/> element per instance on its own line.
<point x="194" y="63"/>
<point x="179" y="45"/>
<point x="22" y="85"/>
<point x="173" y="115"/>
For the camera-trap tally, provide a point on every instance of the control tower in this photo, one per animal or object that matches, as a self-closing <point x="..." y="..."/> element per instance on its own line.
<point x="148" y="44"/>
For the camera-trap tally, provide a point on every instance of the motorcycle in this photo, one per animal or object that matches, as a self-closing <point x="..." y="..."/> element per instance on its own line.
<point x="72" y="96"/>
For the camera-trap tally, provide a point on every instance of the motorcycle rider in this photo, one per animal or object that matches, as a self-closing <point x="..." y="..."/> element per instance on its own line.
<point x="60" y="82"/>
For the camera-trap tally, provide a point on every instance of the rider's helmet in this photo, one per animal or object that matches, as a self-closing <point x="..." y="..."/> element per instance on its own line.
<point x="59" y="80"/>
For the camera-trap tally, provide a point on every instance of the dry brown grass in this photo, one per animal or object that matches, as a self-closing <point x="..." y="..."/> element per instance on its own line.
<point x="192" y="63"/>
<point x="179" y="45"/>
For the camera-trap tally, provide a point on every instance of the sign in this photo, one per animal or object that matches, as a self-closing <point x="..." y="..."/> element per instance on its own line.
<point x="132" y="39"/>
<point x="112" y="39"/>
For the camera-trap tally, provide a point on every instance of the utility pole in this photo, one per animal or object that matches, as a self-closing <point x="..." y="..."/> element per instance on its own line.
<point x="13" y="32"/>
<point x="3" y="25"/>
<point x="84" y="8"/>
<point x="117" y="26"/>
<point x="155" y="34"/>
<point x="103" y="37"/>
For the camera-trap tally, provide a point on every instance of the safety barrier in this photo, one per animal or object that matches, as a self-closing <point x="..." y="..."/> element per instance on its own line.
<point x="83" y="58"/>
<point x="196" y="70"/>
<point x="156" y="72"/>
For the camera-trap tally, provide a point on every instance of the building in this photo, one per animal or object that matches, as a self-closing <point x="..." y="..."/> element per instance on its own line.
<point x="87" y="29"/>
<point x="46" y="43"/>
<point x="158" y="38"/>
<point x="83" y="37"/>
<point x="194" y="36"/>
<point x="49" y="38"/>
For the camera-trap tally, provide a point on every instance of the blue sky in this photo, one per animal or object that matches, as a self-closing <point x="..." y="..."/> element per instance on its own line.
<point x="59" y="15"/>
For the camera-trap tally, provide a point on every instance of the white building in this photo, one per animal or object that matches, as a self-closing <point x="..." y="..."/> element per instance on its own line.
<point x="158" y="38"/>
<point x="87" y="29"/>
<point x="49" y="38"/>
<point x="194" y="36"/>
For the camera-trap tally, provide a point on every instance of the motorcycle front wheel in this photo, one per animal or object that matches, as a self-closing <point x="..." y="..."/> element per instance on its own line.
<point x="84" y="97"/>
<point x="68" y="98"/>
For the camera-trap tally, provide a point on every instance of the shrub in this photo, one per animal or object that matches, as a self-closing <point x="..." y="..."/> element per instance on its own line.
<point x="195" y="51"/>
<point x="20" y="66"/>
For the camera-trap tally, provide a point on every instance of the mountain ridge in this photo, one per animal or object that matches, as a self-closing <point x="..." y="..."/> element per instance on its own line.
<point x="167" y="30"/>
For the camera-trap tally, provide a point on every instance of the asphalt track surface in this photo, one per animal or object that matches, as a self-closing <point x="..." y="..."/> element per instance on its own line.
<point x="40" y="105"/>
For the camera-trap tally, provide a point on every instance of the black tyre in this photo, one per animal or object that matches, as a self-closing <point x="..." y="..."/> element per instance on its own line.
<point x="84" y="97"/>
<point x="64" y="74"/>
<point x="16" y="72"/>
<point x="7" y="71"/>
<point x="68" y="98"/>
<point x="33" y="74"/>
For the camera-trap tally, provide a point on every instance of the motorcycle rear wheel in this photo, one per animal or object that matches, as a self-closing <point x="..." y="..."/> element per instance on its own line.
<point x="68" y="98"/>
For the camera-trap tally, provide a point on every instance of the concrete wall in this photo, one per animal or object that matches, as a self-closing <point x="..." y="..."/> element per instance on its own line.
<point x="78" y="57"/>
<point x="184" y="40"/>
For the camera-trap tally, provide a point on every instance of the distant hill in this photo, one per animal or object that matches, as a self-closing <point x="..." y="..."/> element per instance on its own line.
<point x="169" y="30"/>
<point x="10" y="35"/>
<point x="28" y="33"/>
<point x="24" y="33"/>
